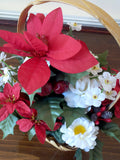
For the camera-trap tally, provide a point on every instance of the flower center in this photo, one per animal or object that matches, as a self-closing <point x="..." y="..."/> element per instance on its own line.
<point x="95" y="97"/>
<point x="75" y="24"/>
<point x="107" y="81"/>
<point x="79" y="129"/>
<point x="95" y="68"/>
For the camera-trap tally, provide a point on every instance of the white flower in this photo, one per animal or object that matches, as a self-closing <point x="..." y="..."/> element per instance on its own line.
<point x="75" y="26"/>
<point x="110" y="95"/>
<point x="7" y="76"/>
<point x="2" y="58"/>
<point x="81" y="134"/>
<point x="75" y="96"/>
<point x="107" y="81"/>
<point x="94" y="97"/>
<point x="95" y="69"/>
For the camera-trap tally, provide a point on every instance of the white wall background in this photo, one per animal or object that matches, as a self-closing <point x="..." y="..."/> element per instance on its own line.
<point x="10" y="9"/>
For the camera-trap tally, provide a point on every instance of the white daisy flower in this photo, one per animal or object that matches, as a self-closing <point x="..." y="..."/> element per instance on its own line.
<point x="95" y="69"/>
<point x="107" y="81"/>
<point x="110" y="95"/>
<point x="94" y="97"/>
<point x="75" y="26"/>
<point x="82" y="134"/>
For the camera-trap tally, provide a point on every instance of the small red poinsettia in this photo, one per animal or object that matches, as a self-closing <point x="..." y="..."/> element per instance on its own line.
<point x="29" y="120"/>
<point x="43" y="41"/>
<point x="9" y="100"/>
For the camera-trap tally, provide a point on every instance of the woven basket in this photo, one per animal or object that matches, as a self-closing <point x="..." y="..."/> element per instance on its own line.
<point x="95" y="11"/>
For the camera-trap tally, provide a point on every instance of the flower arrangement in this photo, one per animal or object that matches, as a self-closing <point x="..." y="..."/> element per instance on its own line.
<point x="59" y="90"/>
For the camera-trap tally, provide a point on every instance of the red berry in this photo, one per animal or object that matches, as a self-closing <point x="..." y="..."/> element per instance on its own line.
<point x="103" y="109"/>
<point x="97" y="122"/>
<point x="99" y="114"/>
<point x="46" y="89"/>
<point x="60" y="87"/>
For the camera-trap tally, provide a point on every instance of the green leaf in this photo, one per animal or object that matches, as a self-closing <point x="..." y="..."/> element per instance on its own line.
<point x="102" y="58"/>
<point x="112" y="130"/>
<point x="78" y="154"/>
<point x="7" y="126"/>
<point x="96" y="153"/>
<point x="31" y="133"/>
<point x="31" y="96"/>
<point x="48" y="110"/>
<point x="57" y="135"/>
<point x="70" y="114"/>
<point x="1" y="89"/>
<point x="72" y="78"/>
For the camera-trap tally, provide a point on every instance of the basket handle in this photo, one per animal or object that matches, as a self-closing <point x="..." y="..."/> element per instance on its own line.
<point x="92" y="9"/>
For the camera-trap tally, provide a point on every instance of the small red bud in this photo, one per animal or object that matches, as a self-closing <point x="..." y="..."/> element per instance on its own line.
<point x="60" y="87"/>
<point x="99" y="114"/>
<point x="102" y="109"/>
<point x="46" y="89"/>
<point x="97" y="122"/>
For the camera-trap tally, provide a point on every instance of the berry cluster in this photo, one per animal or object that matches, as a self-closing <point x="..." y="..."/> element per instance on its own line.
<point x="100" y="114"/>
<point x="58" y="87"/>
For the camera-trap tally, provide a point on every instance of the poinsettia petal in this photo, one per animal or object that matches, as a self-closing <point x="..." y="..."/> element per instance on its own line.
<point x="52" y="24"/>
<point x="45" y="125"/>
<point x="34" y="23"/>
<point x="3" y="113"/>
<point x="38" y="73"/>
<point x="16" y="39"/>
<point x="10" y="49"/>
<point x="24" y="125"/>
<point x="10" y="107"/>
<point x="63" y="47"/>
<point x="2" y="98"/>
<point x="23" y="109"/>
<point x="79" y="63"/>
<point x="8" y="90"/>
<point x="40" y="132"/>
<point x="35" y="42"/>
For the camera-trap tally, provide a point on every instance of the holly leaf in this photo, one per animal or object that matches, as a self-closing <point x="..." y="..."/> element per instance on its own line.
<point x="7" y="126"/>
<point x="96" y="153"/>
<point x="112" y="130"/>
<point x="70" y="114"/>
<point x="31" y="96"/>
<point x="48" y="110"/>
<point x="102" y="58"/>
<point x="57" y="135"/>
<point x="72" y="78"/>
<point x="31" y="133"/>
<point x="78" y="154"/>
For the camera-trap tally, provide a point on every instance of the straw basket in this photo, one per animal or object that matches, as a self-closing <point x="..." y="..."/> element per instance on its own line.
<point x="92" y="9"/>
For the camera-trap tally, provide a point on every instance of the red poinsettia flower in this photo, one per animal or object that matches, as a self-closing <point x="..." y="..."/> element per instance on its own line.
<point x="9" y="100"/>
<point x="43" y="41"/>
<point x="29" y="120"/>
<point x="117" y="109"/>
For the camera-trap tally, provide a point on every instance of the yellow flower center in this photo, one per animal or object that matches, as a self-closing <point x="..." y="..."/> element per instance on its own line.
<point x="75" y="24"/>
<point x="95" y="97"/>
<point x="107" y="81"/>
<point x="95" y="68"/>
<point x="79" y="129"/>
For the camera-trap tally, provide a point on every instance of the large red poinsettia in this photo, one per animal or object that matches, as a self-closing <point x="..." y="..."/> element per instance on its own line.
<point x="29" y="120"/>
<point x="43" y="41"/>
<point x="9" y="100"/>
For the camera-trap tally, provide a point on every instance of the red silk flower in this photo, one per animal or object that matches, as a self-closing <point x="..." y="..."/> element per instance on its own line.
<point x="43" y="41"/>
<point x="25" y="124"/>
<point x="9" y="100"/>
